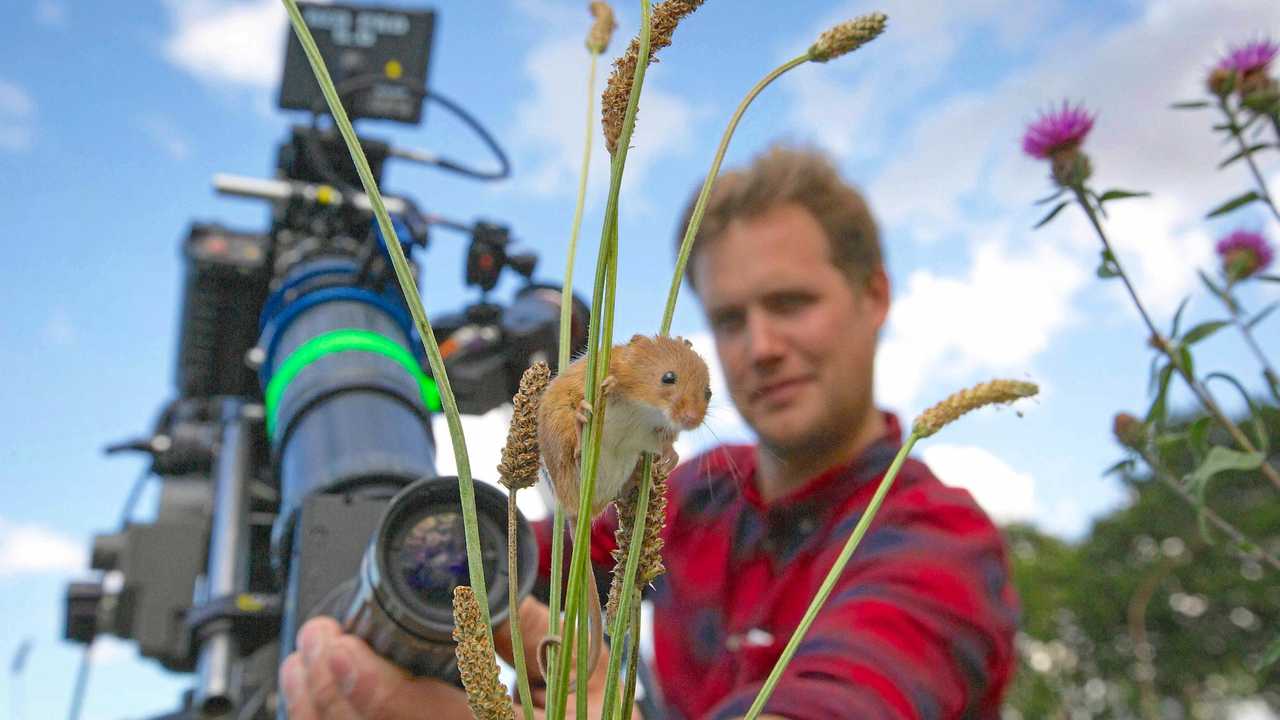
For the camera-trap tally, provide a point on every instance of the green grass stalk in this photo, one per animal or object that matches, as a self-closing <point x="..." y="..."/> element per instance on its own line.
<point x="513" y="599"/>
<point x="566" y="315"/>
<point x="701" y="205"/>
<point x="409" y="287"/>
<point x="829" y="582"/>
<point x="634" y="551"/>
<point x="597" y="362"/>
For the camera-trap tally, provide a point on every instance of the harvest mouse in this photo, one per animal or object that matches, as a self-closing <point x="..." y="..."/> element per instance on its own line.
<point x="656" y="387"/>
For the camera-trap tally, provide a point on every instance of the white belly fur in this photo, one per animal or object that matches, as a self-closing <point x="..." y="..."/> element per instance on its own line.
<point x="628" y="431"/>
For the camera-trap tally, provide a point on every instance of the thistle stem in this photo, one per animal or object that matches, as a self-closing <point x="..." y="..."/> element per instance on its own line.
<point x="1268" y="373"/>
<point x="829" y="582"/>
<point x="1175" y="358"/>
<point x="409" y="287"/>
<point x="1162" y="474"/>
<point x="700" y="206"/>
<point x="1236" y="132"/>
<point x="513" y="598"/>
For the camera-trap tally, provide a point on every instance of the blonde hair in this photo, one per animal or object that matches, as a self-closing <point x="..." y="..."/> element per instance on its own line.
<point x="783" y="175"/>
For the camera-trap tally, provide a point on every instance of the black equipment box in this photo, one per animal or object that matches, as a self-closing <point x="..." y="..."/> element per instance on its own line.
<point x="377" y="57"/>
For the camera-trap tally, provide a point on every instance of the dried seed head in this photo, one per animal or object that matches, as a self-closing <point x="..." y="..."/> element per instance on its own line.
<point x="486" y="695"/>
<point x="651" y="550"/>
<point x="613" y="105"/>
<point x="519" y="466"/>
<point x="987" y="393"/>
<point x="847" y="36"/>
<point x="602" y="29"/>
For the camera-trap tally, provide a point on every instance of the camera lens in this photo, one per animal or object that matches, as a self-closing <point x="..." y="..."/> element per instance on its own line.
<point x="403" y="597"/>
<point x="433" y="557"/>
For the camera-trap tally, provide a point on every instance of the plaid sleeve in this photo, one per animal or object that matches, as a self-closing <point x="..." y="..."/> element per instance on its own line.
<point x="920" y="625"/>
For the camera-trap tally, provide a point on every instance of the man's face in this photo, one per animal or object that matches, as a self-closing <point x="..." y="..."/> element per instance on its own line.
<point x="796" y="340"/>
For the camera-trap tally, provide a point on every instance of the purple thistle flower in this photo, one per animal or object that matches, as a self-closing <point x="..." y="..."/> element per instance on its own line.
<point x="1244" y="253"/>
<point x="1057" y="130"/>
<point x="1252" y="56"/>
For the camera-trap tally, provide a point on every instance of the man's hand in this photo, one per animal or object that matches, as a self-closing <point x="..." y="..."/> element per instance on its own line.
<point x="336" y="676"/>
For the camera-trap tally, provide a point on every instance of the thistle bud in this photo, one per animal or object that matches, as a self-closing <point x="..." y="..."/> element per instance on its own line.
<point x="1130" y="431"/>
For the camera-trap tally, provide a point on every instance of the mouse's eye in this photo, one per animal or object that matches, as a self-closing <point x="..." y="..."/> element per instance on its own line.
<point x="668" y="378"/>
<point x="708" y="394"/>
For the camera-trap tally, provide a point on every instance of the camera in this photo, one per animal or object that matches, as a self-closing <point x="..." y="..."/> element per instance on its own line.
<point x="296" y="460"/>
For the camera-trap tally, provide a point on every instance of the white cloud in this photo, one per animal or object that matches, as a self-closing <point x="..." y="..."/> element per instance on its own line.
<point x="52" y="13"/>
<point x="165" y="134"/>
<point x="30" y="549"/>
<point x="17" y="117"/>
<point x="485" y="435"/>
<point x="235" y="43"/>
<point x="550" y="122"/>
<point x="1005" y="493"/>
<point x="998" y="316"/>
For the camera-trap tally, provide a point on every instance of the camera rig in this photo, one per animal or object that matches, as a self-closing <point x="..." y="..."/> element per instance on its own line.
<point x="296" y="462"/>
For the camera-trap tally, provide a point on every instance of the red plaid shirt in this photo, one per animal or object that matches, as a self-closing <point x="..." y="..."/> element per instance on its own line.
<point x="920" y="625"/>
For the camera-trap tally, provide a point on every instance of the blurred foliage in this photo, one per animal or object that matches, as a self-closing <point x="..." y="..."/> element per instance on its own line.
<point x="1211" y="611"/>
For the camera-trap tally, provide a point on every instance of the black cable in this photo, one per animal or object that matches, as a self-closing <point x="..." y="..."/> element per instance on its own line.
<point x="488" y="139"/>
<point x="361" y="82"/>
<point x="135" y="494"/>
<point x="82" y="682"/>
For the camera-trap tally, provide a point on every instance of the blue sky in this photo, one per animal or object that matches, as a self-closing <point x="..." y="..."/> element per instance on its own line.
<point x="115" y="116"/>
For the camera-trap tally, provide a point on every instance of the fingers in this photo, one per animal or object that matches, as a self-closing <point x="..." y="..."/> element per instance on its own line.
<point x="336" y="676"/>
<point x="311" y="689"/>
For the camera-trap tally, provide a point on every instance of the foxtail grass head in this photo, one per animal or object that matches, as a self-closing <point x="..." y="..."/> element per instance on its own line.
<point x="993" y="392"/>
<point x="485" y="693"/>
<point x="602" y="29"/>
<point x="662" y="25"/>
<point x="520" y="458"/>
<point x="847" y="36"/>
<point x="650" y="562"/>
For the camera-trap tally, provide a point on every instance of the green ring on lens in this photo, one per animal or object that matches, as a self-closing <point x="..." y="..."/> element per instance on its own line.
<point x="345" y="340"/>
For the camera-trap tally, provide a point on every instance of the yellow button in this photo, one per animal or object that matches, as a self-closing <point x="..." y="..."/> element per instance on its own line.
<point x="393" y="69"/>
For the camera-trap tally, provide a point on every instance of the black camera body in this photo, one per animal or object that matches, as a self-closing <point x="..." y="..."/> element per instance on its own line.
<point x="297" y="462"/>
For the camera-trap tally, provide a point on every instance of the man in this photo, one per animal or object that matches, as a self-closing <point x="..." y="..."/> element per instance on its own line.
<point x="788" y="267"/>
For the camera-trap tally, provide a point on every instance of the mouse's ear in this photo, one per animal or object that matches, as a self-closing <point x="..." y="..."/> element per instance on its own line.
<point x="687" y="342"/>
<point x="635" y="339"/>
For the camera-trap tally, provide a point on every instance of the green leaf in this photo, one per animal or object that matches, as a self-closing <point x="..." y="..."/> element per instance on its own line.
<point x="1157" y="412"/>
<point x="1050" y="198"/>
<point x="1221" y="459"/>
<point x="1233" y="203"/>
<point x="1247" y="151"/>
<point x="1177" y="316"/>
<point x="1184" y="354"/>
<point x="1125" y="467"/>
<point x="1198" y="436"/>
<point x="1262" y="315"/>
<point x="1107" y="266"/>
<point x="1120" y="195"/>
<point x="1213" y="288"/>
<point x="1203" y="330"/>
<point x="1056" y="209"/>
<point x="1190" y="105"/>
<point x="1263" y="438"/>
